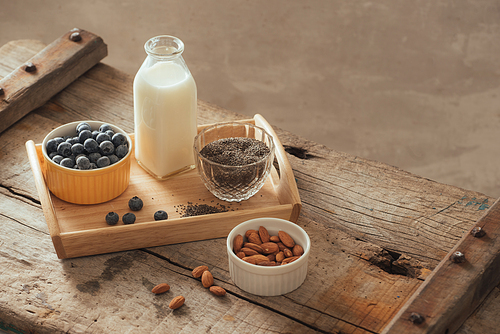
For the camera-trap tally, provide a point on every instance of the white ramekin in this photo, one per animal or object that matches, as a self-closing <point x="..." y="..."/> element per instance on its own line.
<point x="269" y="281"/>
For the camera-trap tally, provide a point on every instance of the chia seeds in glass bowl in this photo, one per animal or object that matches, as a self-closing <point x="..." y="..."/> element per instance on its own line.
<point x="234" y="159"/>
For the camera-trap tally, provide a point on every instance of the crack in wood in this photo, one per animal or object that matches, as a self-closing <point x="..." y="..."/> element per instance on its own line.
<point x="21" y="223"/>
<point x="298" y="152"/>
<point x="30" y="200"/>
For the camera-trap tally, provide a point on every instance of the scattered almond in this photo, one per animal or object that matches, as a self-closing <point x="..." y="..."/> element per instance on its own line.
<point x="264" y="234"/>
<point x="160" y="288"/>
<point x="217" y="290"/>
<point x="286" y="239"/>
<point x="207" y="279"/>
<point x="237" y="243"/>
<point x="198" y="271"/>
<point x="176" y="302"/>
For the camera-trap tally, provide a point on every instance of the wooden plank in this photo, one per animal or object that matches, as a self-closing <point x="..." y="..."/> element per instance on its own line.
<point x="48" y="72"/>
<point x="454" y="290"/>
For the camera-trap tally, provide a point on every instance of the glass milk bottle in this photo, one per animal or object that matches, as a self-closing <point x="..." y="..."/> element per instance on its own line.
<point x="165" y="104"/>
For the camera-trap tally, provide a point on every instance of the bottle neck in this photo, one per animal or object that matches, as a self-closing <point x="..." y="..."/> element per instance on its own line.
<point x="164" y="47"/>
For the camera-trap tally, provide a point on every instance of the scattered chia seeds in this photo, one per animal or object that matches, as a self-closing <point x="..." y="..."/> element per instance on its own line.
<point x="192" y="209"/>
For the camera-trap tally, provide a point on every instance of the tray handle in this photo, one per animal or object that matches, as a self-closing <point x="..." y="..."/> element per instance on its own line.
<point x="34" y="156"/>
<point x="286" y="187"/>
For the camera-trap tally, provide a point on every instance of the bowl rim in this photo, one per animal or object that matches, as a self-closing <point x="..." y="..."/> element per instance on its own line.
<point x="80" y="171"/>
<point x="267" y="156"/>
<point x="268" y="270"/>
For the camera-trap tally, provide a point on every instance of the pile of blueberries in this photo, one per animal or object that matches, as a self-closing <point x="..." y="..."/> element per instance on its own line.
<point x="135" y="204"/>
<point x="89" y="149"/>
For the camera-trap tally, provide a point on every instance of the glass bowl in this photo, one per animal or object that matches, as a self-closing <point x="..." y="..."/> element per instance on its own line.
<point x="241" y="156"/>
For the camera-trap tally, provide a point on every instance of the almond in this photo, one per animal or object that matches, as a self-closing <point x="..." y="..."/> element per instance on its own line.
<point x="217" y="290"/>
<point x="271" y="257"/>
<point x="280" y="257"/>
<point x="160" y="288"/>
<point x="255" y="259"/>
<point x="286" y="239"/>
<point x="237" y="243"/>
<point x="281" y="246"/>
<point x="240" y="254"/>
<point x="198" y="271"/>
<point x="297" y="250"/>
<point x="255" y="247"/>
<point x="264" y="235"/>
<point x="254" y="238"/>
<point x="247" y="233"/>
<point x="289" y="260"/>
<point x="176" y="302"/>
<point x="287" y="252"/>
<point x="267" y="263"/>
<point x="249" y="251"/>
<point x="274" y="238"/>
<point x="207" y="279"/>
<point x="269" y="247"/>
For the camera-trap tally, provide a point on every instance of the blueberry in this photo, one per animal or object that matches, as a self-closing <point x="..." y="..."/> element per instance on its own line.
<point x="161" y="215"/>
<point x="93" y="157"/>
<point x="84" y="135"/>
<point x="64" y="149"/>
<point x="113" y="159"/>
<point x="128" y="218"/>
<point x="52" y="155"/>
<point x="51" y="146"/>
<point x="83" y="163"/>
<point x="119" y="139"/>
<point x="57" y="159"/>
<point x="107" y="147"/>
<point x="103" y="162"/>
<point x="105" y="127"/>
<point x="91" y="145"/>
<point x="93" y="166"/>
<point x="67" y="162"/>
<point x="121" y="151"/>
<point x="110" y="133"/>
<point x="135" y="203"/>
<point x="77" y="149"/>
<point x="59" y="140"/>
<point x="82" y="126"/>
<point x="112" y="218"/>
<point x="73" y="140"/>
<point x="102" y="137"/>
<point x="95" y="133"/>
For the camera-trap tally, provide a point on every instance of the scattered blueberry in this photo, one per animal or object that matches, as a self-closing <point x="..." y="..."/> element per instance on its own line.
<point x="64" y="149"/>
<point x="91" y="145"/>
<point x="121" y="151"/>
<point x="67" y="162"/>
<point x="161" y="215"/>
<point x="135" y="203"/>
<point x="128" y="218"/>
<point x="84" y="135"/>
<point x="102" y="162"/>
<point x="83" y="163"/>
<point x="107" y="147"/>
<point x="112" y="218"/>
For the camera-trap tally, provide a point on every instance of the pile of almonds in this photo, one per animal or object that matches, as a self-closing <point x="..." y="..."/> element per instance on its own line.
<point x="264" y="250"/>
<point x="207" y="280"/>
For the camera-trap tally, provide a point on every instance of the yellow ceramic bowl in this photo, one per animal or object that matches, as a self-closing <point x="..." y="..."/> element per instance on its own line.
<point x="86" y="186"/>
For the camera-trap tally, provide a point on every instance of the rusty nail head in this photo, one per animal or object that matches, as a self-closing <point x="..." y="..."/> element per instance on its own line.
<point x="416" y="318"/>
<point x="75" y="37"/>
<point x="457" y="257"/>
<point x="477" y="232"/>
<point x="30" y="67"/>
<point x="1" y="91"/>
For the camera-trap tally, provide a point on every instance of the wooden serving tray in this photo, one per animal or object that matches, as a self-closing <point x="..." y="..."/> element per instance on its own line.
<point x="81" y="230"/>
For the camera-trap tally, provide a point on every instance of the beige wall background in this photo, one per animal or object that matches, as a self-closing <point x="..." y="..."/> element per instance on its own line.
<point x="415" y="84"/>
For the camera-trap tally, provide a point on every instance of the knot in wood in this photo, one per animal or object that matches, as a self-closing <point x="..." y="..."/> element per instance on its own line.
<point x="30" y="67"/>
<point x="477" y="232"/>
<point x="457" y="257"/>
<point x="2" y="92"/>
<point x="416" y="318"/>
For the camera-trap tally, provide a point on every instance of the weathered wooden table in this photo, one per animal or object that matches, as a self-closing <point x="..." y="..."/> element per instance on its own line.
<point x="376" y="232"/>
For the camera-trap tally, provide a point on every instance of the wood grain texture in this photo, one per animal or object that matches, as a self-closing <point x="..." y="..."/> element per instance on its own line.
<point x="376" y="233"/>
<point x="56" y="66"/>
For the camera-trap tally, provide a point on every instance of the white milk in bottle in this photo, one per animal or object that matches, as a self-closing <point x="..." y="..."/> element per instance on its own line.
<point x="165" y="104"/>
